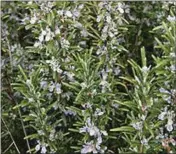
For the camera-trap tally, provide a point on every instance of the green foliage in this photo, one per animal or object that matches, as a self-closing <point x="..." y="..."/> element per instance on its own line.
<point x="88" y="77"/>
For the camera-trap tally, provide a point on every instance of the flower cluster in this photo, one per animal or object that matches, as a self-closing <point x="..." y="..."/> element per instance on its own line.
<point x="54" y="64"/>
<point x="92" y="130"/>
<point x="41" y="146"/>
<point x="169" y="115"/>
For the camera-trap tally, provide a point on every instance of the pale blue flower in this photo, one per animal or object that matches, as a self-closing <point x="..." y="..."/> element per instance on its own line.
<point x="43" y="84"/>
<point x="51" y="87"/>
<point x="65" y="44"/>
<point x="37" y="147"/>
<point x="43" y="151"/>
<point x="170" y="18"/>
<point x="58" y="88"/>
<point x="162" y="115"/>
<point x="88" y="147"/>
<point x="144" y="141"/>
<point x="98" y="112"/>
<point x="138" y="125"/>
<point x="68" y="14"/>
<point x="69" y="112"/>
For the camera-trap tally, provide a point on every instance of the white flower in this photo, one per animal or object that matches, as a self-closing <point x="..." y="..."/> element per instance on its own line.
<point x="94" y="92"/>
<point x="83" y="130"/>
<point x="98" y="112"/>
<point x="58" y="69"/>
<point x="54" y="65"/>
<point x="70" y="75"/>
<point x="173" y="54"/>
<point x="99" y="139"/>
<point x="78" y="25"/>
<point x="104" y="83"/>
<point x="87" y="105"/>
<point x="145" y="69"/>
<point x="51" y="87"/>
<point x="84" y="33"/>
<point x="105" y="29"/>
<point x="99" y="18"/>
<point x="88" y="121"/>
<point x="43" y="32"/>
<point x="31" y="100"/>
<point x="115" y="105"/>
<point x="60" y="12"/>
<point x="143" y="117"/>
<point x="103" y="149"/>
<point x="169" y="127"/>
<point x="108" y="19"/>
<point x="104" y="74"/>
<point x="169" y="18"/>
<point x="116" y="70"/>
<point x="101" y="50"/>
<point x="43" y="149"/>
<point x="58" y="88"/>
<point x="48" y="34"/>
<point x="69" y="112"/>
<point x="37" y="147"/>
<point x="144" y="141"/>
<point x="67" y="95"/>
<point x="162" y="90"/>
<point x="137" y="125"/>
<point x="76" y="13"/>
<point x="82" y="43"/>
<point x="88" y="147"/>
<point x="65" y="43"/>
<point x="170" y="122"/>
<point x="28" y="82"/>
<point x="33" y="20"/>
<point x="68" y="14"/>
<point x="83" y="85"/>
<point x="41" y="132"/>
<point x="120" y="8"/>
<point x="43" y="84"/>
<point x="48" y="37"/>
<point x="81" y="6"/>
<point x="93" y="130"/>
<point x="37" y="44"/>
<point x="166" y="97"/>
<point x="173" y="67"/>
<point x="57" y="31"/>
<point x="41" y="38"/>
<point x="98" y="146"/>
<point x="90" y="128"/>
<point x="162" y="115"/>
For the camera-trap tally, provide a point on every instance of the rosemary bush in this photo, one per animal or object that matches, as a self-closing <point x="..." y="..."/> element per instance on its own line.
<point x="88" y="77"/>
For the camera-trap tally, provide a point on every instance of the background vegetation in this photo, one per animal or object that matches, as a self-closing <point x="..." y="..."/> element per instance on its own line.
<point x="88" y="77"/>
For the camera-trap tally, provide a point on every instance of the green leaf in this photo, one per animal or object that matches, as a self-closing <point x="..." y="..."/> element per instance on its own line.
<point x="21" y="70"/>
<point x="73" y="130"/>
<point x="123" y="129"/>
<point x="70" y="86"/>
<point x="131" y="80"/>
<point x="32" y="136"/>
<point x="143" y="57"/>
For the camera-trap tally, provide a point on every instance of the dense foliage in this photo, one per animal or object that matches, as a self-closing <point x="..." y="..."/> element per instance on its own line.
<point x="88" y="77"/>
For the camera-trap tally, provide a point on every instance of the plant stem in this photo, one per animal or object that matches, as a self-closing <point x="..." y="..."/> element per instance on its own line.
<point x="11" y="136"/>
